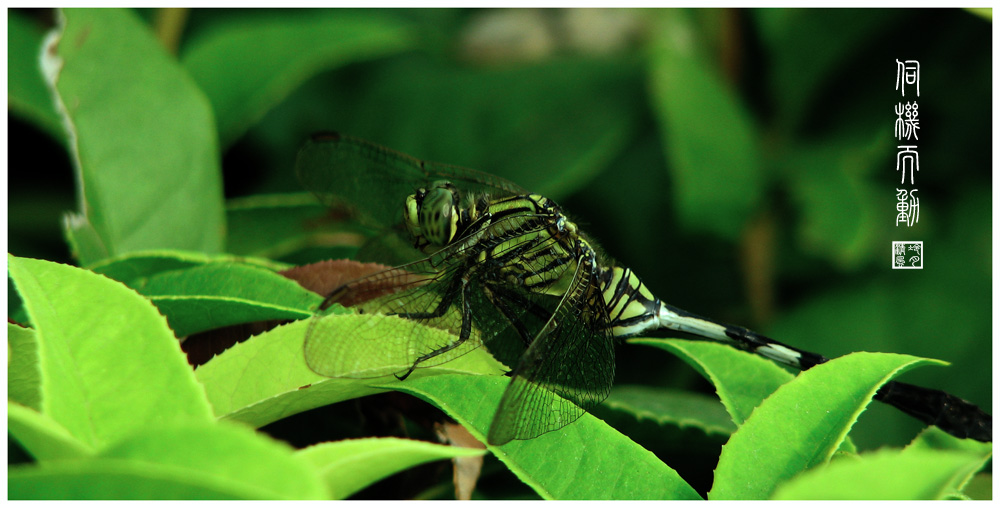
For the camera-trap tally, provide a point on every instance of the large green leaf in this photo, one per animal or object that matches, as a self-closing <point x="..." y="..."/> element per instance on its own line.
<point x="141" y="136"/>
<point x="237" y="280"/>
<point x="198" y="292"/>
<point x="214" y="295"/>
<point x="225" y="453"/>
<point x="933" y="438"/>
<point x="708" y="135"/>
<point x="108" y="479"/>
<point x="135" y="269"/>
<point x="802" y="424"/>
<point x="742" y="380"/>
<point x="245" y="68"/>
<point x="671" y="407"/>
<point x="886" y="474"/>
<point x="277" y="225"/>
<point x="41" y="436"/>
<point x="351" y="465"/>
<point x="584" y="460"/>
<point x="23" y="376"/>
<point x="266" y="378"/>
<point x="200" y="461"/>
<point x="108" y="363"/>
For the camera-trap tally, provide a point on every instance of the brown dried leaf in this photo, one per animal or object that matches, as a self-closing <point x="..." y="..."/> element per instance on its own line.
<point x="466" y="469"/>
<point x="325" y="276"/>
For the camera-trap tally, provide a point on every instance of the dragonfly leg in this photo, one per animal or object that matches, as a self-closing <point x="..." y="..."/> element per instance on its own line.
<point x="464" y="333"/>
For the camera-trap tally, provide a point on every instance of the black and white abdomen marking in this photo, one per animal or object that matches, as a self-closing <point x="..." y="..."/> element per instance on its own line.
<point x="634" y="310"/>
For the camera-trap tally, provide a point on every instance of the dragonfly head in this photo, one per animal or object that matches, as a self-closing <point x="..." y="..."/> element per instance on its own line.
<point x="431" y="215"/>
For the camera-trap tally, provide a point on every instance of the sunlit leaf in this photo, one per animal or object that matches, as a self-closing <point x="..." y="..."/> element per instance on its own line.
<point x="108" y="363"/>
<point x="349" y="466"/>
<point x="802" y="424"/>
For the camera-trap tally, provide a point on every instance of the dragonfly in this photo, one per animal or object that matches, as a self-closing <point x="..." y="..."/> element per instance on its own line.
<point x="503" y="268"/>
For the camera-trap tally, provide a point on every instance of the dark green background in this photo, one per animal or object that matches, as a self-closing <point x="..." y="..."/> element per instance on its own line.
<point x="741" y="161"/>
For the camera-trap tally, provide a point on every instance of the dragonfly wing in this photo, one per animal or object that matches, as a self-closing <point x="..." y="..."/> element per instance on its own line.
<point x="510" y="301"/>
<point x="471" y="300"/>
<point x="361" y="346"/>
<point x="410" y="317"/>
<point x="372" y="182"/>
<point x="567" y="370"/>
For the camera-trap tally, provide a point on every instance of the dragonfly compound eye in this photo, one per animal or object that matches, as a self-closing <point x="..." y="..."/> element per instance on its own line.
<point x="411" y="212"/>
<point x="438" y="215"/>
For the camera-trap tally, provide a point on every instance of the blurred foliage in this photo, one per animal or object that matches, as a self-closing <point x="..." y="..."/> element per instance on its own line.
<point x="741" y="161"/>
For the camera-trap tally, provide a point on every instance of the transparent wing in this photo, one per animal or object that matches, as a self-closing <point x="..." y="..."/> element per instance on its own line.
<point x="363" y="346"/>
<point x="372" y="182"/>
<point x="371" y="344"/>
<point x="448" y="291"/>
<point x="567" y="370"/>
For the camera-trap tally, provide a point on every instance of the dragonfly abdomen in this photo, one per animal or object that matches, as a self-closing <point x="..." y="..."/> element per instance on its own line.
<point x="634" y="310"/>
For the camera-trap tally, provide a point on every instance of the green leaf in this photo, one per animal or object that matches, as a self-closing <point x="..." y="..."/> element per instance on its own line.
<point x="109" y="364"/>
<point x="885" y="474"/>
<point x="23" y="378"/>
<point x="802" y="424"/>
<point x="84" y="241"/>
<point x="27" y="95"/>
<point x="671" y="407"/>
<point x="742" y="380"/>
<point x="185" y="461"/>
<point x="108" y="479"/>
<point x="234" y="280"/>
<point x="686" y="430"/>
<point x="221" y="294"/>
<point x="265" y="379"/>
<point x="351" y="465"/>
<point x="246" y="68"/>
<point x="983" y="12"/>
<point x="933" y="438"/>
<point x="198" y="313"/>
<point x="708" y="135"/>
<point x="276" y="225"/>
<point x="134" y="269"/>
<point x="584" y="460"/>
<point x="141" y="137"/>
<point x="198" y="292"/>
<point x="42" y="437"/>
<point x="252" y="465"/>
